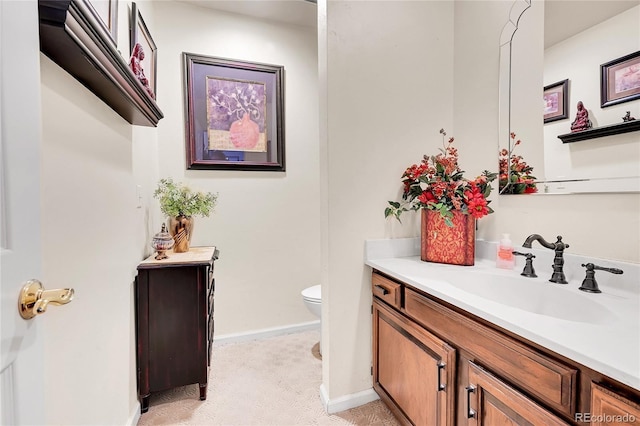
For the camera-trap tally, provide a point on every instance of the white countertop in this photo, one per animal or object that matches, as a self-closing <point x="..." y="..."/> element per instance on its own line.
<point x="599" y="331"/>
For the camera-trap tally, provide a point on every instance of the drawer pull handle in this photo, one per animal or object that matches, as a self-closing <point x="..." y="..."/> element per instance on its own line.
<point x="471" y="413"/>
<point x="382" y="290"/>
<point x="441" y="366"/>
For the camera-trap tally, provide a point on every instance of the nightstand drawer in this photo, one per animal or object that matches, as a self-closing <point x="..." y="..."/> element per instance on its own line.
<point x="387" y="290"/>
<point x="211" y="299"/>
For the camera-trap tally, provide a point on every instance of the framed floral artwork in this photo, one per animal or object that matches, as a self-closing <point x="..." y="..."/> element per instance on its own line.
<point x="620" y="80"/>
<point x="234" y="114"/>
<point x="555" y="99"/>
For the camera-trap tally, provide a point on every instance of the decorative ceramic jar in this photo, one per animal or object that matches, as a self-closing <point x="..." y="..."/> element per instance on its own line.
<point x="162" y="242"/>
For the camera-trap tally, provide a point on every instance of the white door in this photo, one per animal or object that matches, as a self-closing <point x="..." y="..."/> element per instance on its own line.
<point x="21" y="395"/>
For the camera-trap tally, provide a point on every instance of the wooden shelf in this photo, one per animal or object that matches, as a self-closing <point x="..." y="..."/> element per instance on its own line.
<point x="72" y="36"/>
<point x="599" y="132"/>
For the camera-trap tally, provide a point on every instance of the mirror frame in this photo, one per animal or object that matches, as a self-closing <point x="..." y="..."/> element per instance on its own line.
<point x="518" y="8"/>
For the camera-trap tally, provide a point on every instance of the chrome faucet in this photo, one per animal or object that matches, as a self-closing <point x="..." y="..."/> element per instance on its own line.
<point x="558" y="261"/>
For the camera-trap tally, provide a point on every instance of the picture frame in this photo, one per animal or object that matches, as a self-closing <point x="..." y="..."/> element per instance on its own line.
<point x="555" y="101"/>
<point x="106" y="12"/>
<point x="620" y="80"/>
<point x="234" y="114"/>
<point x="139" y="33"/>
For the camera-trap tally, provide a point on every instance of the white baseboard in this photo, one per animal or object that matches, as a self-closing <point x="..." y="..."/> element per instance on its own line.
<point x="265" y="333"/>
<point x="345" y="402"/>
<point x="134" y="417"/>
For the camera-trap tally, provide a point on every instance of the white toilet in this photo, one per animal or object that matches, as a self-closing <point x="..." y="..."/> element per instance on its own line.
<point x="312" y="298"/>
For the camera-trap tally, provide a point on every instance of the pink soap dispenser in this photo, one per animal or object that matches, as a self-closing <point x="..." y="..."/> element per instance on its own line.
<point x="505" y="258"/>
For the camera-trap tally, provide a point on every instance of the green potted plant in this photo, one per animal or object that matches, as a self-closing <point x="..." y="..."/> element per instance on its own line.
<point x="180" y="204"/>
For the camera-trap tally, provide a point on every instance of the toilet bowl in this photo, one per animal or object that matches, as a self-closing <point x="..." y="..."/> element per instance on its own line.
<point x="312" y="299"/>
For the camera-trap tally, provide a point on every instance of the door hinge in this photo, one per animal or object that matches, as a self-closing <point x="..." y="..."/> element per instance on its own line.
<point x="372" y="370"/>
<point x="371" y="309"/>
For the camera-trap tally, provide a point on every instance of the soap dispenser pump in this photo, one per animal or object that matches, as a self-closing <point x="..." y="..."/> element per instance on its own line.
<point x="505" y="258"/>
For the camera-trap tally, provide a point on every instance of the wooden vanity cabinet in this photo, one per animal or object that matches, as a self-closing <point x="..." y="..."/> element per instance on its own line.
<point x="174" y="321"/>
<point x="497" y="377"/>
<point x="413" y="370"/>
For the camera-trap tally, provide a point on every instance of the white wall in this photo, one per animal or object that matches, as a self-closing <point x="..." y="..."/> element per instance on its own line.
<point x="266" y="224"/>
<point x="389" y="89"/>
<point x="95" y="231"/>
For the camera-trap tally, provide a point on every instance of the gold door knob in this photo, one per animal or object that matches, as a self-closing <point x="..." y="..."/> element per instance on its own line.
<point x="34" y="299"/>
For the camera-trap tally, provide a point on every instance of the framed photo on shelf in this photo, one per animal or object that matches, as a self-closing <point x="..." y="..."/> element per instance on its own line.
<point x="620" y="80"/>
<point x="555" y="98"/>
<point x="234" y="114"/>
<point x="144" y="52"/>
<point x="107" y="13"/>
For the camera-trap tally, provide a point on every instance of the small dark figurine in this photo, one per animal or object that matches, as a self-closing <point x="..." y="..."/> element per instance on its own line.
<point x="628" y="117"/>
<point x="582" y="121"/>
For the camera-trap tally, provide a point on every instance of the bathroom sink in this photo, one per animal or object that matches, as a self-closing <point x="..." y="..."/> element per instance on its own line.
<point x="533" y="295"/>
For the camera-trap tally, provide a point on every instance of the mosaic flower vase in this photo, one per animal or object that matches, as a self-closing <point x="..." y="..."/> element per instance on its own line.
<point x="440" y="243"/>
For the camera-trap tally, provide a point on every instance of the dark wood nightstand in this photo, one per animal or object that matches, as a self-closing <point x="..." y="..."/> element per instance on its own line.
<point x="174" y="321"/>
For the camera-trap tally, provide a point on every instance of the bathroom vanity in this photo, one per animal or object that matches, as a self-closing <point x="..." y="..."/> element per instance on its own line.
<point x="491" y="351"/>
<point x="174" y="321"/>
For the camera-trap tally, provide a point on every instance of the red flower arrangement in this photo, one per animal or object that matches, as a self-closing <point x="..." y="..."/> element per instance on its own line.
<point x="437" y="183"/>
<point x="515" y="173"/>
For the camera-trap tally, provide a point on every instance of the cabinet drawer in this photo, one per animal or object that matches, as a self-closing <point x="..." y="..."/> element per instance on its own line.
<point x="210" y="328"/>
<point x="492" y="402"/>
<point x="211" y="299"/>
<point x="387" y="290"/>
<point x="608" y="407"/>
<point x="537" y="375"/>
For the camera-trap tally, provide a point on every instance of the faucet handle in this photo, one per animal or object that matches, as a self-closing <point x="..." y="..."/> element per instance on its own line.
<point x="589" y="283"/>
<point x="528" y="270"/>
<point x="602" y="268"/>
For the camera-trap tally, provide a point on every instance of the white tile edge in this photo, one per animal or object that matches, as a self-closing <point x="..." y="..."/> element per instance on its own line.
<point x="345" y="402"/>
<point x="265" y="333"/>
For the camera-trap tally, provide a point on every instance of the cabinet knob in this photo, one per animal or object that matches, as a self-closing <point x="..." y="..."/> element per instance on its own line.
<point x="34" y="299"/>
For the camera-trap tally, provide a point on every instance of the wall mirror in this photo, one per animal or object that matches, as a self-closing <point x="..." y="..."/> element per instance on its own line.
<point x="560" y="45"/>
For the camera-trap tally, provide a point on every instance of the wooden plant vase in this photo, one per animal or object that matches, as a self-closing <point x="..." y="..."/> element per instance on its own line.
<point x="181" y="229"/>
<point x="444" y="244"/>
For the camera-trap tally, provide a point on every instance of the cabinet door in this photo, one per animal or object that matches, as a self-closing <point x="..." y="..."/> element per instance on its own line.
<point x="413" y="369"/>
<point x="609" y="408"/>
<point x="492" y="402"/>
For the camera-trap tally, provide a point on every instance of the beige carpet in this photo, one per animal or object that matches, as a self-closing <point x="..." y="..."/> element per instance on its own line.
<point x="270" y="382"/>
